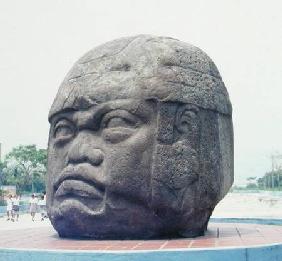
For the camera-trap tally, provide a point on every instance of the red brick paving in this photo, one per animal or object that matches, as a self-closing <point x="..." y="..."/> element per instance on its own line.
<point x="218" y="235"/>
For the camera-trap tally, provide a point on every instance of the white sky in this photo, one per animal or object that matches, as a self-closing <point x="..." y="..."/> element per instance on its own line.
<point x="40" y="40"/>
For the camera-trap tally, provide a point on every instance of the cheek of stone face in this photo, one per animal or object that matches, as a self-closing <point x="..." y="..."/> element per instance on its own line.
<point x="56" y="163"/>
<point x="175" y="177"/>
<point x="129" y="165"/>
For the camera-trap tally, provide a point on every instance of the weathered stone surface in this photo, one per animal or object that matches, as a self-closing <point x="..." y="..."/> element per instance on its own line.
<point x="141" y="142"/>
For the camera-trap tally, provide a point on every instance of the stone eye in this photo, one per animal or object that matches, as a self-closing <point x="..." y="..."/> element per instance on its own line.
<point x="119" y="125"/>
<point x="63" y="130"/>
<point x="116" y="122"/>
<point x="120" y="119"/>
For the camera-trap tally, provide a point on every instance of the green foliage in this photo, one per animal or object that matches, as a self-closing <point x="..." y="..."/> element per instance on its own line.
<point x="252" y="186"/>
<point x="2" y="166"/>
<point x="2" y="195"/>
<point x="271" y="180"/>
<point x="25" y="167"/>
<point x="28" y="153"/>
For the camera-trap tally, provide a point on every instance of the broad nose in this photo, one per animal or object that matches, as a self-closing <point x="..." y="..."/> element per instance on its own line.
<point x="84" y="149"/>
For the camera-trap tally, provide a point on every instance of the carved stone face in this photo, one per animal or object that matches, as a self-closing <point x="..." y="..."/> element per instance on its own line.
<point x="140" y="143"/>
<point x="102" y="161"/>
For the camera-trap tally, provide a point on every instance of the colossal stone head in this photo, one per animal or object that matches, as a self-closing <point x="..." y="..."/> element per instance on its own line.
<point x="141" y="142"/>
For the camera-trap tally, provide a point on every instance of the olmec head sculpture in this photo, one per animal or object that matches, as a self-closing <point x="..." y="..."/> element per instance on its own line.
<point x="141" y="142"/>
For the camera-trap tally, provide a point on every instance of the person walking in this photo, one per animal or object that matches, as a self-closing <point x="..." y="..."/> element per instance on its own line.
<point x="16" y="208"/>
<point x="9" y="207"/>
<point x="42" y="206"/>
<point x="33" y="206"/>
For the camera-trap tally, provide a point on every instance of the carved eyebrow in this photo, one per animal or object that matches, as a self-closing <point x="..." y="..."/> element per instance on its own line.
<point x="100" y="110"/>
<point x="94" y="114"/>
<point x="94" y="119"/>
<point x="66" y="113"/>
<point x="61" y="120"/>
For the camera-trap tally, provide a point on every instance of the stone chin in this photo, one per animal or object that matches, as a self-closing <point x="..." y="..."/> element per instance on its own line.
<point x="71" y="218"/>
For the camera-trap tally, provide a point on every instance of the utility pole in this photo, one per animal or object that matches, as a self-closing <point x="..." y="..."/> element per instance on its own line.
<point x="276" y="167"/>
<point x="272" y="177"/>
<point x="278" y="177"/>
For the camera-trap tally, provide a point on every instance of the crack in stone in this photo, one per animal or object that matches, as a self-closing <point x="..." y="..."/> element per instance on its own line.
<point x="111" y="55"/>
<point x="79" y="76"/>
<point x="70" y="93"/>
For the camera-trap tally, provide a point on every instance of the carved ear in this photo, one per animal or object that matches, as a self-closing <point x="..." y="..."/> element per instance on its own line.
<point x="187" y="124"/>
<point x="178" y="122"/>
<point x="175" y="168"/>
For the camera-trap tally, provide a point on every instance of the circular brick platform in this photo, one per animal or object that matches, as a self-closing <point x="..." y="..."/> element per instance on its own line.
<point x="240" y="240"/>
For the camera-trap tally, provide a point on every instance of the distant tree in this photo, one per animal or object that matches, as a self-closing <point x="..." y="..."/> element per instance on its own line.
<point x="2" y="166"/>
<point x="271" y="180"/>
<point x="251" y="178"/>
<point x="25" y="167"/>
<point x="252" y="186"/>
<point x="2" y="193"/>
<point x="261" y="183"/>
<point x="252" y="183"/>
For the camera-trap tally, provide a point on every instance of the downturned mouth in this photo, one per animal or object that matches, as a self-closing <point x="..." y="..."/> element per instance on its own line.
<point x="79" y="181"/>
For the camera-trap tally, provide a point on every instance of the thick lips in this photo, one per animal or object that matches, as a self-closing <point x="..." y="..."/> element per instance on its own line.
<point x="79" y="180"/>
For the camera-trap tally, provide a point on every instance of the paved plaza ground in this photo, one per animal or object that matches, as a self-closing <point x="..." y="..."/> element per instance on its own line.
<point x="250" y="205"/>
<point x="218" y="235"/>
<point x="24" y="222"/>
<point x="34" y="238"/>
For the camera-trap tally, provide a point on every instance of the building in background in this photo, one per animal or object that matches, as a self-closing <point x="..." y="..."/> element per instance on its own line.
<point x="9" y="189"/>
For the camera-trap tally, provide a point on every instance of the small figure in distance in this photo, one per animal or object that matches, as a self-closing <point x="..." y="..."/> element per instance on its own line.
<point x="42" y="206"/>
<point x="33" y="206"/>
<point x="15" y="207"/>
<point x="44" y="194"/>
<point x="9" y="207"/>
